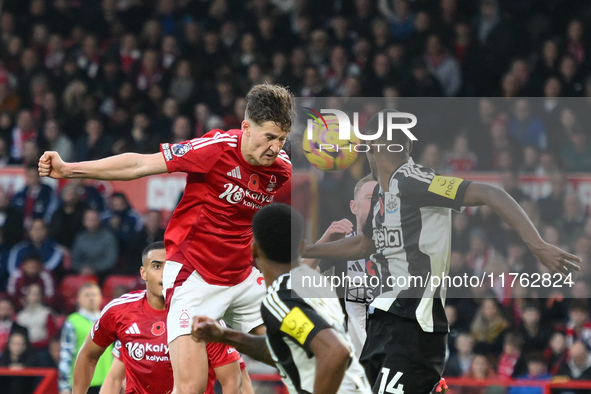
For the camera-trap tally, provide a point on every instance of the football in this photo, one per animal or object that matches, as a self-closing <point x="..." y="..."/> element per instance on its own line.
<point x="324" y="150"/>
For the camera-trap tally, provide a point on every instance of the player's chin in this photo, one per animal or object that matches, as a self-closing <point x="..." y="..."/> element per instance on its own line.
<point x="267" y="160"/>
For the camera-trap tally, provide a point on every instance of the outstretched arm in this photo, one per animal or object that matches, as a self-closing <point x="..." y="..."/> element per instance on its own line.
<point x="86" y="361"/>
<point x="124" y="167"/>
<point x="352" y="248"/>
<point x="507" y="208"/>
<point x="337" y="230"/>
<point x="207" y="330"/>
<point x="332" y="360"/>
<point x="114" y="380"/>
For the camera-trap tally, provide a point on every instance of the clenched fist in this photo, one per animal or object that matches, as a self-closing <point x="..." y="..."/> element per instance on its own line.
<point x="52" y="165"/>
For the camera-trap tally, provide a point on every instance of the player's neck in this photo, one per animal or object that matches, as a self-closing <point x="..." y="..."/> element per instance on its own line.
<point x="156" y="302"/>
<point x="274" y="270"/>
<point x="387" y="167"/>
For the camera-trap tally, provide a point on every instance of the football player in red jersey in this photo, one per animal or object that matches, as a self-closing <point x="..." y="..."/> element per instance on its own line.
<point x="230" y="176"/>
<point x="138" y="321"/>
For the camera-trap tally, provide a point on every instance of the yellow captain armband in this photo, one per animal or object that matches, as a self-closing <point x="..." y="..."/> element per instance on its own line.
<point x="446" y="186"/>
<point x="297" y="325"/>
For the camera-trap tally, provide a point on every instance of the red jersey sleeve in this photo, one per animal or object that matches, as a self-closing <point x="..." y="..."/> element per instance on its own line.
<point x="104" y="331"/>
<point x="199" y="154"/>
<point x="219" y="354"/>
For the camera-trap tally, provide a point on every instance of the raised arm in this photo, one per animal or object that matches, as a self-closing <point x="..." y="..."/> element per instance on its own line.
<point x="337" y="230"/>
<point x="86" y="361"/>
<point x="124" y="167"/>
<point x="507" y="208"/>
<point x="332" y="360"/>
<point x="207" y="330"/>
<point x="352" y="248"/>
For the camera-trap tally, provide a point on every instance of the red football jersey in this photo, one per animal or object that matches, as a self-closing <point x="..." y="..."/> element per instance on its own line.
<point x="210" y="228"/>
<point x="143" y="349"/>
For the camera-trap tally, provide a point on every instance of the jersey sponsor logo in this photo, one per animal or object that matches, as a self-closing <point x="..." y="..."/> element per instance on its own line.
<point x="231" y="350"/>
<point x="391" y="203"/>
<point x="158" y="328"/>
<point x="253" y="183"/>
<point x="446" y="186"/>
<point x="184" y="319"/>
<point x="166" y="151"/>
<point x="272" y="183"/>
<point x="386" y="238"/>
<point x="139" y="351"/>
<point x="180" y="149"/>
<point x="235" y="173"/>
<point x="133" y="329"/>
<point x="297" y="325"/>
<point x="235" y="194"/>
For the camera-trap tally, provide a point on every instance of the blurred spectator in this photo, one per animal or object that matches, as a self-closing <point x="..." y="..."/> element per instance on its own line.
<point x="400" y="17"/>
<point x="421" y="83"/>
<point x="443" y="65"/>
<point x="577" y="152"/>
<point x="183" y="85"/>
<point x="30" y="272"/>
<point x="8" y="324"/>
<point x="578" y="364"/>
<point x="151" y="231"/>
<point x="460" y="233"/>
<point x="480" y="369"/>
<point x="122" y="219"/>
<point x="18" y="355"/>
<point x="578" y="327"/>
<point x="74" y="333"/>
<point x="510" y="181"/>
<point x="95" y="249"/>
<point x="67" y="219"/>
<point x="181" y="130"/>
<point x="535" y="334"/>
<point x="575" y="46"/>
<point x="488" y="328"/>
<point x="459" y="363"/>
<point x="9" y="100"/>
<point x="481" y="252"/>
<point x="11" y="222"/>
<point x="39" y="244"/>
<point x="551" y="206"/>
<point x="56" y="141"/>
<point x="573" y="216"/>
<point x="431" y="158"/>
<point x="339" y="69"/>
<point x="530" y="159"/>
<point x="509" y="358"/>
<point x="556" y="352"/>
<point x="537" y="369"/>
<point x="527" y="128"/>
<point x="94" y="144"/>
<point x="460" y="158"/>
<point x="24" y="130"/>
<point x="501" y="143"/>
<point x="37" y="318"/>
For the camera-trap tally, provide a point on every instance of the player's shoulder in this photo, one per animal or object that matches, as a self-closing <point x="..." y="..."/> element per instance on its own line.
<point x="217" y="138"/>
<point x="125" y="302"/>
<point x="283" y="161"/>
<point x="410" y="172"/>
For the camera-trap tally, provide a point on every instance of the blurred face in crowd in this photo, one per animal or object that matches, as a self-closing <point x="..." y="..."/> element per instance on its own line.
<point x="578" y="317"/>
<point x="531" y="317"/>
<point x="17" y="344"/>
<point x="464" y="344"/>
<point x="6" y="310"/>
<point x="578" y="354"/>
<point x="90" y="298"/>
<point x="91" y="221"/>
<point x="490" y="311"/>
<point x="558" y="343"/>
<point x="480" y="367"/>
<point x="536" y="368"/>
<point x="34" y="295"/>
<point x="31" y="267"/>
<point x="38" y="231"/>
<point x="181" y="128"/>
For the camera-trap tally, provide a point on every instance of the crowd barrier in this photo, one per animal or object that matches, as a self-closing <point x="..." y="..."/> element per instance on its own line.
<point x="48" y="383"/>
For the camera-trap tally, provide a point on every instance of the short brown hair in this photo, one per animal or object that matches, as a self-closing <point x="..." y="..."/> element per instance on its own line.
<point x="270" y="103"/>
<point x="361" y="182"/>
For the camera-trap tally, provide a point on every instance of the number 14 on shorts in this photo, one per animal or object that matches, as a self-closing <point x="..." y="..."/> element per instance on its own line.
<point x="391" y="386"/>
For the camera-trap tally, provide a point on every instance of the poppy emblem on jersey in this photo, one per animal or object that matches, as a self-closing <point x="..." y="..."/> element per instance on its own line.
<point x="184" y="320"/>
<point x="158" y="328"/>
<point x="253" y="183"/>
<point x="180" y="149"/>
<point x="272" y="183"/>
<point x="391" y="203"/>
<point x="381" y="206"/>
<point x="260" y="280"/>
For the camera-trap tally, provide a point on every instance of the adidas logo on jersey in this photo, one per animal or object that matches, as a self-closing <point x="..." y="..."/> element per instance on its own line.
<point x="133" y="329"/>
<point x="235" y="173"/>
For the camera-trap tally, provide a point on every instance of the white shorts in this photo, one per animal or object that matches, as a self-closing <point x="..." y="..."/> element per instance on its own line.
<point x="188" y="295"/>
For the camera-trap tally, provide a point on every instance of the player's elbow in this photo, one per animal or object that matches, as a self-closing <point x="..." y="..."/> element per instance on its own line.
<point x="337" y="356"/>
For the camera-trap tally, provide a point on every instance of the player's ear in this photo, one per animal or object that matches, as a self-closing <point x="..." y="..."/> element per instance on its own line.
<point x="143" y="273"/>
<point x="254" y="250"/>
<point x="246" y="127"/>
<point x="353" y="207"/>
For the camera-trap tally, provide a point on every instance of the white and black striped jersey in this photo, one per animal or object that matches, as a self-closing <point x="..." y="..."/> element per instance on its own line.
<point x="355" y="296"/>
<point x="411" y="228"/>
<point x="292" y="319"/>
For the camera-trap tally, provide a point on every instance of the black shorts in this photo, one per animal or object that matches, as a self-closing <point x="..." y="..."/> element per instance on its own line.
<point x="399" y="357"/>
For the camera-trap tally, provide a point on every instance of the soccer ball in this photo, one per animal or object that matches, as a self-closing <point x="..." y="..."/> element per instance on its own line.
<point x="324" y="150"/>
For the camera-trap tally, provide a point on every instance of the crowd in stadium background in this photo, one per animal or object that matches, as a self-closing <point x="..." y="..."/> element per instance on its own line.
<point x="94" y="78"/>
